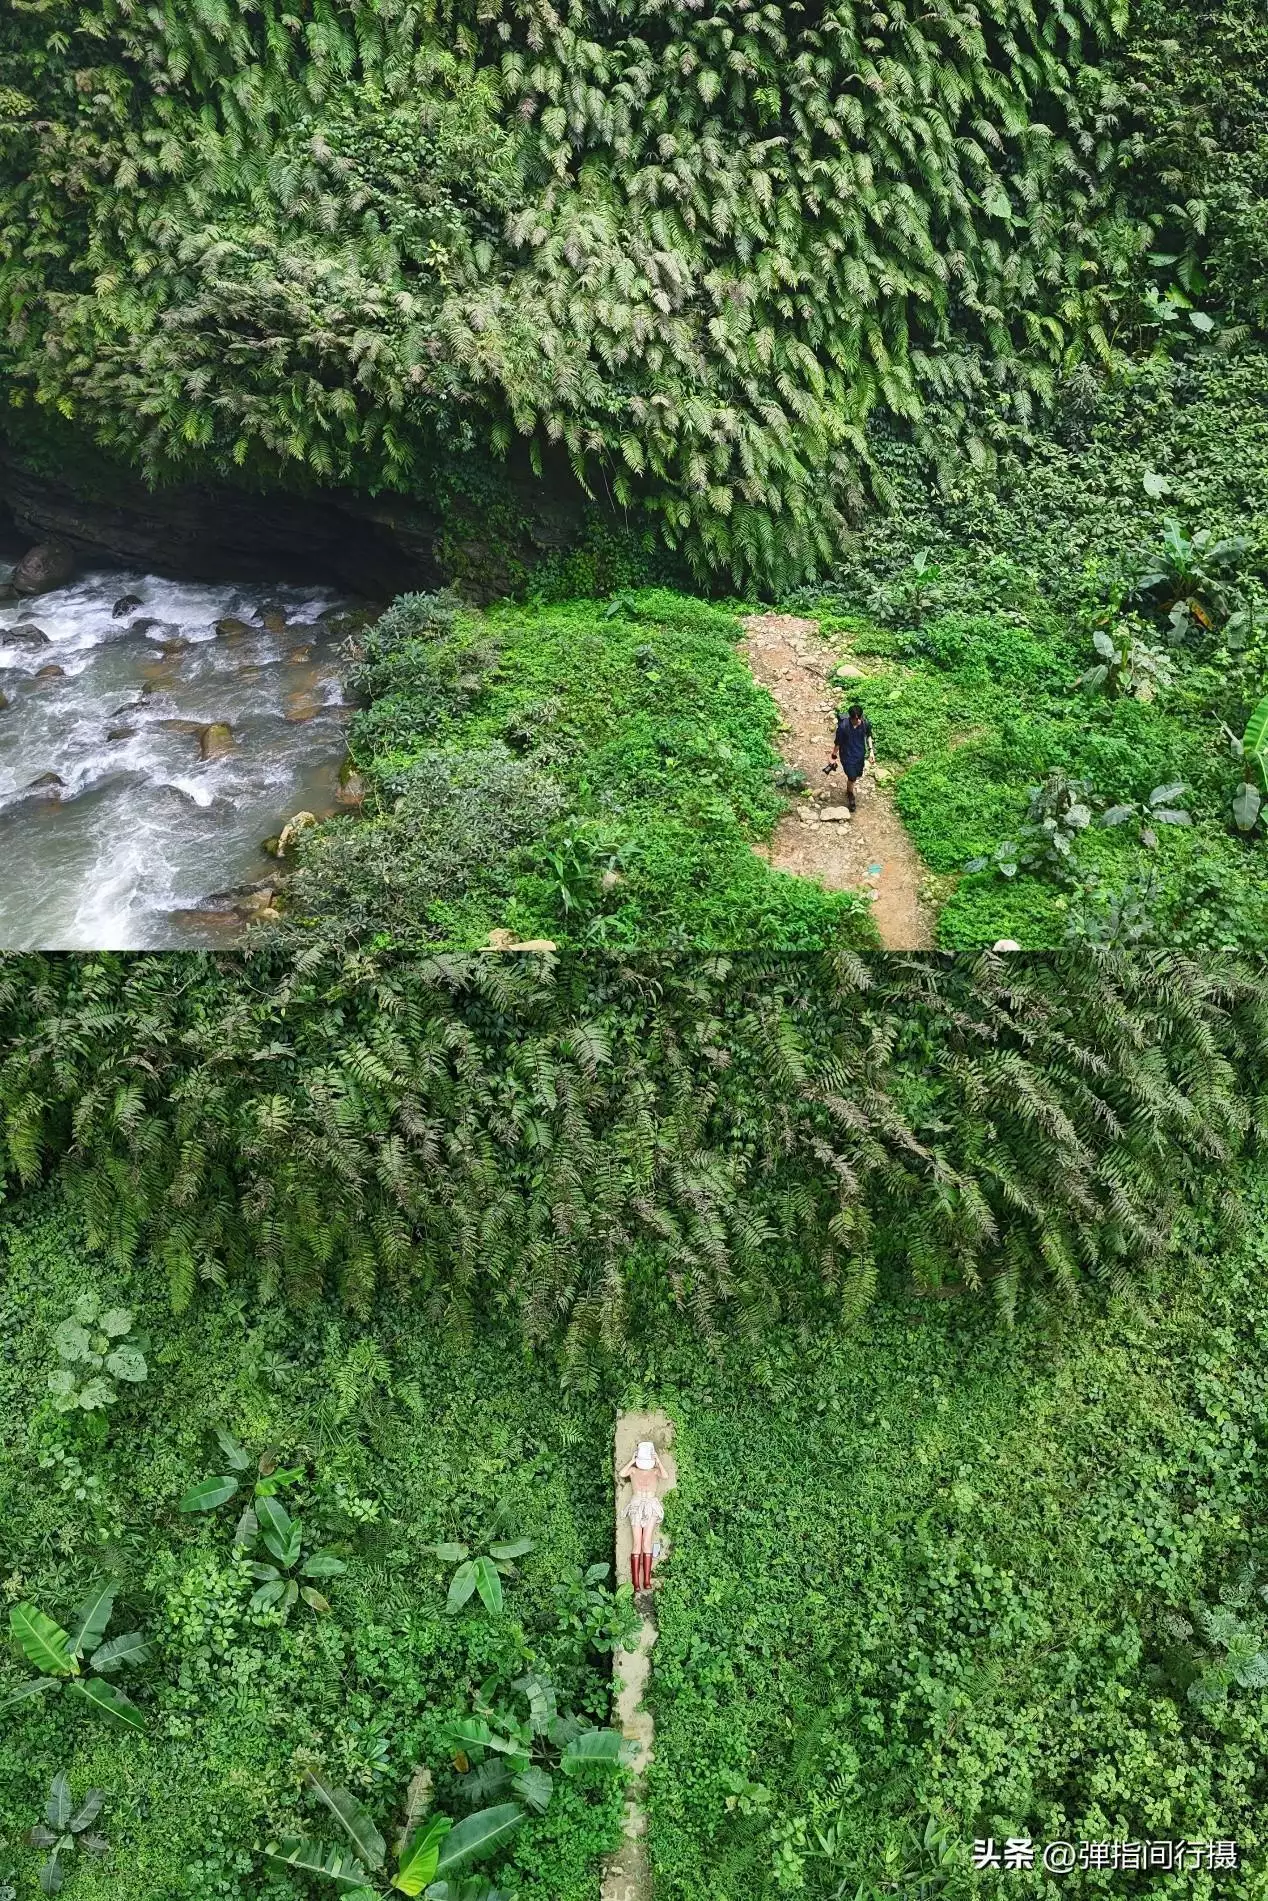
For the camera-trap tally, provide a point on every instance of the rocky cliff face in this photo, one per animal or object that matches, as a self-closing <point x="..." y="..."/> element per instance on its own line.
<point x="373" y="546"/>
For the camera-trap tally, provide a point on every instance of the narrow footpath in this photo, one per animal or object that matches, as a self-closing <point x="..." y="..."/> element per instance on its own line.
<point x="868" y="851"/>
<point x="628" y="1876"/>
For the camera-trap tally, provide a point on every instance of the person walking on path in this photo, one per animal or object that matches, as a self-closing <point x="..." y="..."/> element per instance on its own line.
<point x="644" y="1510"/>
<point x="853" y="747"/>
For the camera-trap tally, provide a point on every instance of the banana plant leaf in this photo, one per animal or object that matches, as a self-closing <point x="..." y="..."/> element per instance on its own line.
<point x="88" y="1625"/>
<point x="122" y="1653"/>
<point x="110" y="1702"/>
<point x="207" y="1494"/>
<point x="353" y="1819"/>
<point x="421" y="1855"/>
<point x="42" y="1642"/>
<point x="315" y="1858"/>
<point x="479" y="1836"/>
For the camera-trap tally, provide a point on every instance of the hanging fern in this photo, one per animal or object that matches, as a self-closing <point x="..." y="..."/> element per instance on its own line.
<point x="690" y="251"/>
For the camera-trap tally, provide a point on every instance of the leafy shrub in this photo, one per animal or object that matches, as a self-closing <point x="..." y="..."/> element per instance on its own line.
<point x="96" y="1352"/>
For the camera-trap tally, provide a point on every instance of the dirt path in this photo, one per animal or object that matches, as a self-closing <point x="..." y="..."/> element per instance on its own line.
<point x="818" y="839"/>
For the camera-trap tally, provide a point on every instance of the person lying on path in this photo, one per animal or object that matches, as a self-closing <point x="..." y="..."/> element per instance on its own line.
<point x="644" y="1510"/>
<point x="853" y="746"/>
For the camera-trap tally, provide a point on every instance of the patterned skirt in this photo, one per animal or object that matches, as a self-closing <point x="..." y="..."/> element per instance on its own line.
<point x="644" y="1511"/>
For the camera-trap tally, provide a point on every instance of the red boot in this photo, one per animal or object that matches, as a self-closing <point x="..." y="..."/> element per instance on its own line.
<point x="635" y="1563"/>
<point x="647" y="1570"/>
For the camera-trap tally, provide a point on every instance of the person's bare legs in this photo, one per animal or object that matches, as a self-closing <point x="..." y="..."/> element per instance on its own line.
<point x="636" y="1555"/>
<point x="849" y="793"/>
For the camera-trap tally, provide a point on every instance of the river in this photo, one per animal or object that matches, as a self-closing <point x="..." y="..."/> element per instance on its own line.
<point x="121" y="814"/>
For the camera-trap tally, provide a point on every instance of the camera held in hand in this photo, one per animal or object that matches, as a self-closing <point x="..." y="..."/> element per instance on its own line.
<point x="832" y="766"/>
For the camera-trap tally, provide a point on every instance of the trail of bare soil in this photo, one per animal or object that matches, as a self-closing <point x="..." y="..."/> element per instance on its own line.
<point x="868" y="851"/>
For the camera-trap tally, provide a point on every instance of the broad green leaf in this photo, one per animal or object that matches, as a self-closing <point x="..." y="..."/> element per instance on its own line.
<point x="87" y="1812"/>
<point x="42" y="1642"/>
<point x="1247" y="806"/>
<point x="208" y="1494"/>
<point x="110" y="1702"/>
<point x="354" y="1820"/>
<point x="479" y="1836"/>
<point x="88" y="1625"/>
<point x="236" y="1457"/>
<point x="122" y="1653"/>
<point x="61" y="1384"/>
<point x="71" y="1342"/>
<point x="461" y="1586"/>
<point x="264" y="1573"/>
<point x="116" y="1323"/>
<point x="469" y="1732"/>
<point x="592" y="1746"/>
<point x="57" y="1810"/>
<point x="87" y="1307"/>
<point x="315" y="1858"/>
<point x="268" y="1594"/>
<point x="94" y="1394"/>
<point x="24" y="1691"/>
<point x="290" y="1595"/>
<point x="247" y="1529"/>
<point x="542" y="1707"/>
<point x="51" y="1875"/>
<point x="127" y="1363"/>
<point x="419" y="1858"/>
<point x="534" y="1787"/>
<point x="449" y="1554"/>
<point x="280" y="1532"/>
<point x="323" y="1564"/>
<point x="315" y="1600"/>
<point x="519" y="1549"/>
<point x="488" y="1583"/>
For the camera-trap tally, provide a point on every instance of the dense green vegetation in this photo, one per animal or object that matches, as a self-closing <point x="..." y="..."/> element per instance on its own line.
<point x="609" y="1148"/>
<point x="932" y="1580"/>
<point x="691" y="255"/>
<point x="579" y="773"/>
<point x="382" y="1442"/>
<point x="938" y="1583"/>
<point x="1140" y="525"/>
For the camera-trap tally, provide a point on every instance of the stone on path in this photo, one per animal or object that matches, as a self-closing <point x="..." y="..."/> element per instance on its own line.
<point x="628" y="1876"/>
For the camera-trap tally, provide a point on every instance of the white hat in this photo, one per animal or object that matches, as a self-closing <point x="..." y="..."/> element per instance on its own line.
<point x="645" y="1457"/>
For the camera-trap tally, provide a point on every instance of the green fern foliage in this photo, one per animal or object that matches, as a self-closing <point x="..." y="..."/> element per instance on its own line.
<point x="691" y="252"/>
<point x="602" y="1148"/>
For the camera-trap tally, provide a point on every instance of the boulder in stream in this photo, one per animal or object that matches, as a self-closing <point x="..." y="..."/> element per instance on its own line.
<point x="231" y="629"/>
<point x="5" y="701"/>
<point x="272" y="616"/>
<point x="25" y="634"/>
<point x="118" y="733"/>
<point x="285" y="839"/>
<point x="51" y="673"/>
<point x="216" y="739"/>
<point x="49" y="565"/>
<point x="50" y="784"/>
<point x="125" y="604"/>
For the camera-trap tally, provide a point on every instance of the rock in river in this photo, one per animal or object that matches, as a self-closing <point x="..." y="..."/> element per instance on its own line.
<point x="26" y="634"/>
<point x="49" y="565"/>
<point x="125" y="604"/>
<point x="216" y="739"/>
<point x="51" y="673"/>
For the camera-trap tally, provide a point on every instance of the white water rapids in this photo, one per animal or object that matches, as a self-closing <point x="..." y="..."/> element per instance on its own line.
<point x="115" y="828"/>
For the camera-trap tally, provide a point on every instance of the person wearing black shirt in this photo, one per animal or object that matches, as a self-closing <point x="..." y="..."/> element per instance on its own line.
<point x="853" y="747"/>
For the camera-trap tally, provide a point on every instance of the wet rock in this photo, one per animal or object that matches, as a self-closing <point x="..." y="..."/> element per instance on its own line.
<point x="232" y="630"/>
<point x="176" y="644"/>
<point x="272" y="617"/>
<point x="299" y="654"/>
<point x="188" y="728"/>
<point x="49" y="565"/>
<point x="51" y="673"/>
<point x="351" y="788"/>
<point x="125" y="604"/>
<point x="5" y="702"/>
<point x="216" y="739"/>
<point x="118" y="733"/>
<point x="291" y="831"/>
<point x="304" y="703"/>
<point x="25" y="634"/>
<point x="49" y="783"/>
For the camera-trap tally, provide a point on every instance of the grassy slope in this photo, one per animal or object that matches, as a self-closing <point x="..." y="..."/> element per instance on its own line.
<point x="652" y="759"/>
<point x="403" y="1452"/>
<point x="928" y="1576"/>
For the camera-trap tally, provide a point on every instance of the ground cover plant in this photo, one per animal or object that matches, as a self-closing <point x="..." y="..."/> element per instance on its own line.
<point x="1085" y="634"/>
<point x="588" y="773"/>
<point x="939" y="1583"/>
<point x="350" y="1721"/>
